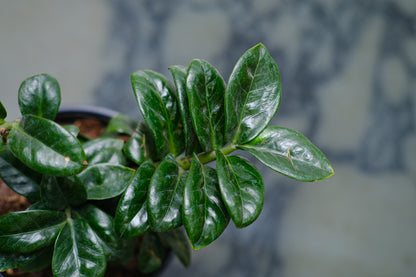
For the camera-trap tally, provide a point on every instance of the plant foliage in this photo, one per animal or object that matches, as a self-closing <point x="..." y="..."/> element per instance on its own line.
<point x="92" y="200"/>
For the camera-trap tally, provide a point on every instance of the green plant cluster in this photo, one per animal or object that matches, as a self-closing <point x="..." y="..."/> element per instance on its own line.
<point x="93" y="199"/>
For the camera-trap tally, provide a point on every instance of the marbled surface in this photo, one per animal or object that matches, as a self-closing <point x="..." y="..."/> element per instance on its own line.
<point x="348" y="71"/>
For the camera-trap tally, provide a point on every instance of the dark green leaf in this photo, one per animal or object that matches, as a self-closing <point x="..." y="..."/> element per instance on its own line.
<point x="27" y="231"/>
<point x="19" y="177"/>
<point x="62" y="192"/>
<point x="158" y="105"/>
<point x="135" y="148"/>
<point x="78" y="251"/>
<point x="14" y="260"/>
<point x="94" y="146"/>
<point x="40" y="95"/>
<point x="205" y="88"/>
<point x="169" y="97"/>
<point x="3" y="112"/>
<point x="151" y="254"/>
<point x="105" y="181"/>
<point x="204" y="215"/>
<point x="74" y="130"/>
<point x="289" y="153"/>
<point x="191" y="140"/>
<point x="108" y="155"/>
<point x="131" y="214"/>
<point x="46" y="147"/>
<point x="165" y="196"/>
<point x="149" y="142"/>
<point x="121" y="125"/>
<point x="242" y="188"/>
<point x="177" y="241"/>
<point x="252" y="96"/>
<point x="103" y="226"/>
<point x="42" y="260"/>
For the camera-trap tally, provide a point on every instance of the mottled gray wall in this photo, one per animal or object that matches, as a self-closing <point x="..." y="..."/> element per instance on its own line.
<point x="348" y="72"/>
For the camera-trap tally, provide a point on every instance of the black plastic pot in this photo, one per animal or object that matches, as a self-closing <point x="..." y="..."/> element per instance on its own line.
<point x="68" y="113"/>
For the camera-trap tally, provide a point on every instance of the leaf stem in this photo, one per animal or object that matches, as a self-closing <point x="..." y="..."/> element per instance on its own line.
<point x="204" y="158"/>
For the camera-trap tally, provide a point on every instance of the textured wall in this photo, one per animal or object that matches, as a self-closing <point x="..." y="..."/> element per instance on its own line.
<point x="348" y="70"/>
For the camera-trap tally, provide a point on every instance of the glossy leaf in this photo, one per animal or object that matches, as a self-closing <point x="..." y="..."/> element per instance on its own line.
<point x="169" y="97"/>
<point x="74" y="130"/>
<point x="28" y="231"/>
<point x="46" y="147"/>
<point x="94" y="146"/>
<point x="62" y="192"/>
<point x="177" y="240"/>
<point x="105" y="181"/>
<point x="157" y="103"/>
<point x="191" y="141"/>
<point x="242" y="188"/>
<point x="135" y="148"/>
<point x="3" y="112"/>
<point x="165" y="196"/>
<point x="289" y="153"/>
<point x="151" y="254"/>
<point x="205" y="216"/>
<point x="108" y="155"/>
<point x="42" y="260"/>
<point x="40" y="95"/>
<point x="15" y="260"/>
<point x="149" y="142"/>
<point x="103" y="226"/>
<point x="205" y="88"/>
<point x="78" y="251"/>
<point x="131" y="215"/>
<point x="252" y="96"/>
<point x="121" y="125"/>
<point x="19" y="177"/>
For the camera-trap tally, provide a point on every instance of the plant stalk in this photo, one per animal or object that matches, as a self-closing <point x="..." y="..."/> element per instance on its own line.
<point x="204" y="158"/>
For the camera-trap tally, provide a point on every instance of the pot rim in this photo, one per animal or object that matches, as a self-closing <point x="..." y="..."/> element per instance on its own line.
<point x="69" y="112"/>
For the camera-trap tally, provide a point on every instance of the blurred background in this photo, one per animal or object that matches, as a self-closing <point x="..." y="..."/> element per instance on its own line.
<point x="348" y="70"/>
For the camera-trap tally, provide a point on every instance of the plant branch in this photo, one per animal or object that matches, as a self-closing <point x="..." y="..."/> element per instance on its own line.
<point x="204" y="158"/>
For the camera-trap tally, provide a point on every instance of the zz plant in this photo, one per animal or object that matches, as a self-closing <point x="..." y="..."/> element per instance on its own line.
<point x="93" y="199"/>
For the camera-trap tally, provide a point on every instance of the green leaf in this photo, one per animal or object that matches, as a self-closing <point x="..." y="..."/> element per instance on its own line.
<point x="135" y="148"/>
<point x="46" y="147"/>
<point x="3" y="112"/>
<point x="149" y="142"/>
<point x="108" y="155"/>
<point x="121" y="125"/>
<point x="204" y="215"/>
<point x="103" y="226"/>
<point x="205" y="88"/>
<point x="289" y="153"/>
<point x="131" y="215"/>
<point x="40" y="95"/>
<point x="15" y="260"/>
<point x="78" y="251"/>
<point x="151" y="254"/>
<point x="105" y="181"/>
<point x="158" y="105"/>
<point x="252" y="96"/>
<point x="242" y="188"/>
<point x="94" y="146"/>
<point x="177" y="241"/>
<point x="62" y="192"/>
<point x="191" y="141"/>
<point x="19" y="177"/>
<point x="74" y="130"/>
<point x="27" y="231"/>
<point x="165" y="196"/>
<point x="42" y="260"/>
